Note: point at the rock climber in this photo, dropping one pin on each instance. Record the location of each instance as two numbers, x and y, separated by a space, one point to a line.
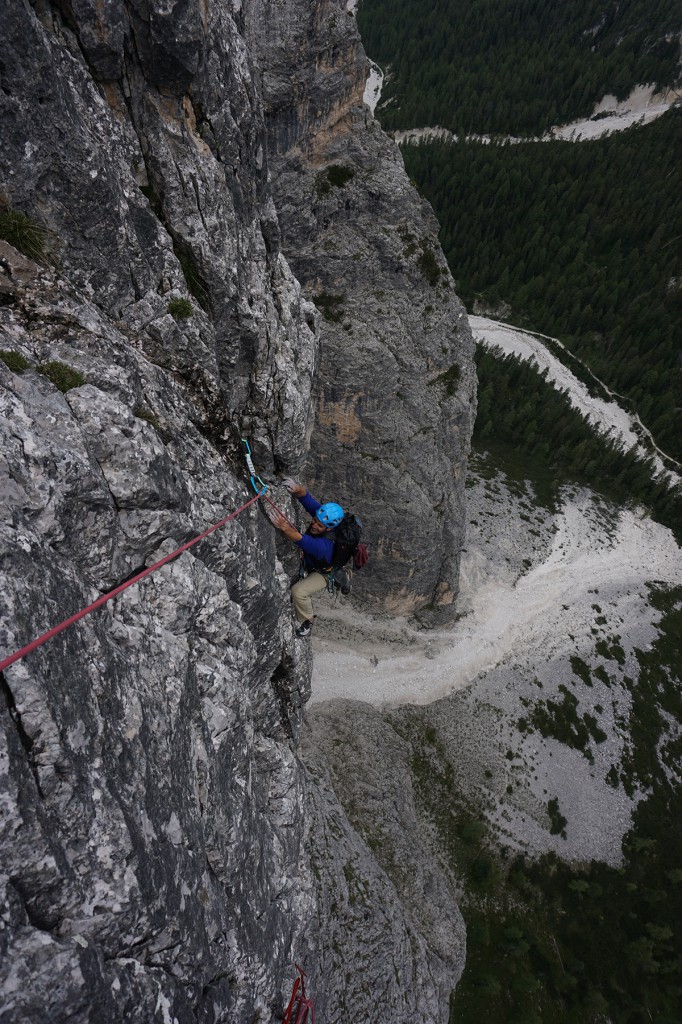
317 545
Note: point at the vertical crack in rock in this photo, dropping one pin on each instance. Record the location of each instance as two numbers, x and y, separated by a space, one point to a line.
25 740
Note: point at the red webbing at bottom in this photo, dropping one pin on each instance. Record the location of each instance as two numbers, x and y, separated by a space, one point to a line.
299 1002
118 590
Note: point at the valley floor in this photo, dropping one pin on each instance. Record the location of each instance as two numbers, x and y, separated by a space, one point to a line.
547 601
529 582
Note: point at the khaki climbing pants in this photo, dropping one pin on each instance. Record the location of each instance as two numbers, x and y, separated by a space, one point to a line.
302 591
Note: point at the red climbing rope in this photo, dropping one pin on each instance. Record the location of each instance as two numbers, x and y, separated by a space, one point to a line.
118 590
278 509
299 1002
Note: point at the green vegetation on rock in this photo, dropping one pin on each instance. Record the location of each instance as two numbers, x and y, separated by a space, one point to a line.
14 360
330 306
180 309
62 376
335 176
142 413
560 720
428 264
25 234
449 379
557 821
196 284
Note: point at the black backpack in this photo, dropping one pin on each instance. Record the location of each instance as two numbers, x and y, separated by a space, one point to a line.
346 540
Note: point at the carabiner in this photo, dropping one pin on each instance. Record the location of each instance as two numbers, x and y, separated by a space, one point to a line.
255 479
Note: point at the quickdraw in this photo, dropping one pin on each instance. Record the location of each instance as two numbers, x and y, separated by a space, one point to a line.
255 479
299 1004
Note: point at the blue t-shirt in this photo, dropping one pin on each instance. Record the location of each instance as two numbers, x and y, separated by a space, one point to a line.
318 551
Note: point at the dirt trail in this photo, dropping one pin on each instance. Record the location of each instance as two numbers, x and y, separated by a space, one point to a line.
607 416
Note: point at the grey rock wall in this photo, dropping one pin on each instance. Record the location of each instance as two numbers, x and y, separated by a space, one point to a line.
394 940
395 392
153 184
159 836
152 800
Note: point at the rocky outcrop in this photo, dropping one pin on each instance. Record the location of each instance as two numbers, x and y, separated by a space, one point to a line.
157 850
144 156
394 395
408 903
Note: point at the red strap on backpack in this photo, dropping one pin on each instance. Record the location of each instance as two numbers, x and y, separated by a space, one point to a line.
361 556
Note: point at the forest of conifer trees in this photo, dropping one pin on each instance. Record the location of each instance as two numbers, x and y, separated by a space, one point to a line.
516 67
581 241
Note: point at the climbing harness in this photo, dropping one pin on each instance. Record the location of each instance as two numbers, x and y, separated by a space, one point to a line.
260 488
347 547
299 1004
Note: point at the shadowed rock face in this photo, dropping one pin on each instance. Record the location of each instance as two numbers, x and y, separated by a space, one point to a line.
411 899
155 853
394 395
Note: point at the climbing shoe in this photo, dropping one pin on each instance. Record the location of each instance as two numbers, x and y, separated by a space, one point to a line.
304 628
342 581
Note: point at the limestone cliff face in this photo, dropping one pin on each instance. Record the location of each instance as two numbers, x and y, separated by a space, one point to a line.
153 804
407 906
152 800
160 841
135 134
394 395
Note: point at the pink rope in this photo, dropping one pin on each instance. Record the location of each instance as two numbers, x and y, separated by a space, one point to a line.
39 641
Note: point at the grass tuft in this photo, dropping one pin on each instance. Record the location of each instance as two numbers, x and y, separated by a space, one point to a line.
25 234
449 379
142 413
336 176
180 309
196 285
62 376
14 360
428 264
330 306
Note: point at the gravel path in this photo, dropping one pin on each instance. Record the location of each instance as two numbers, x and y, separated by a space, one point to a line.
641 106
607 416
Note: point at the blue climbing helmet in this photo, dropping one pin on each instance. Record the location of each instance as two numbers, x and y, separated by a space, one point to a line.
330 514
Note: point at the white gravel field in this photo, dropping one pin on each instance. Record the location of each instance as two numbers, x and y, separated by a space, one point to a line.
508 611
